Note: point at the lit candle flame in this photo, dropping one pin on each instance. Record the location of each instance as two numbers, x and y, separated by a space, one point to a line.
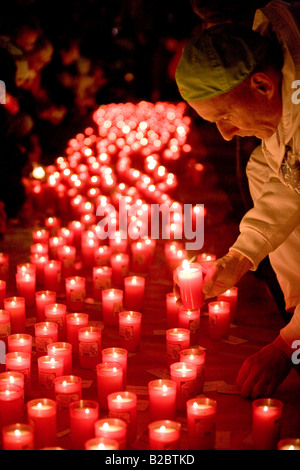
186 265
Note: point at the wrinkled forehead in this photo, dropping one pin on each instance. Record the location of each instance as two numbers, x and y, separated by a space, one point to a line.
211 110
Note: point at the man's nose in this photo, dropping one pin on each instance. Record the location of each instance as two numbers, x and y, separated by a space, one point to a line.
227 130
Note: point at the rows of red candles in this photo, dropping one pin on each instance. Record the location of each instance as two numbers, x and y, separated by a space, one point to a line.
97 170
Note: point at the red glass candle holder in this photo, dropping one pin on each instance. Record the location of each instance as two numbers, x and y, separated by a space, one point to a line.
42 415
89 346
162 399
164 435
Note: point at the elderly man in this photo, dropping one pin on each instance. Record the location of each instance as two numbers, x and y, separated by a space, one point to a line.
246 81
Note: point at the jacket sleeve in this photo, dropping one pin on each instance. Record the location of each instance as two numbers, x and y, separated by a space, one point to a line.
275 214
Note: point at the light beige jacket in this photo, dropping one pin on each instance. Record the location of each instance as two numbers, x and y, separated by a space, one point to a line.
276 214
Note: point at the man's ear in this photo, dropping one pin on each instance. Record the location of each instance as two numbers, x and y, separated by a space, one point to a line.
263 84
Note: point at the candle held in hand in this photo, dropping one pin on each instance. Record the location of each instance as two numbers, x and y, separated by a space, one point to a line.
190 279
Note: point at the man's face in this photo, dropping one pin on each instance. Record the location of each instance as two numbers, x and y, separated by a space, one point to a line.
251 115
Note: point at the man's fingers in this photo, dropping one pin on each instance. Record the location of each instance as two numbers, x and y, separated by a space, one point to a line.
209 279
259 389
243 373
176 290
206 266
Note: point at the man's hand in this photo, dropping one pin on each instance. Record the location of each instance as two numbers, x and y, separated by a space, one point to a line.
220 275
263 372
224 273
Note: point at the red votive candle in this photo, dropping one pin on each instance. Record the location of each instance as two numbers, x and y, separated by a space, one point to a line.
109 380
67 255
56 313
162 399
123 405
112 428
175 258
230 296
52 275
11 404
118 243
164 435
177 339
40 249
88 247
19 342
49 367
184 374
62 350
26 268
2 292
39 262
219 319
171 310
75 321
18 436
120 267
151 245
19 362
102 255
101 443
112 304
195 356
101 280
67 234
68 388
130 330
202 257
266 417
26 284
42 415
89 346
52 224
139 257
45 333
54 244
40 236
42 299
189 278
77 228
201 418
16 307
134 291
75 293
190 320
13 377
118 355
83 416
